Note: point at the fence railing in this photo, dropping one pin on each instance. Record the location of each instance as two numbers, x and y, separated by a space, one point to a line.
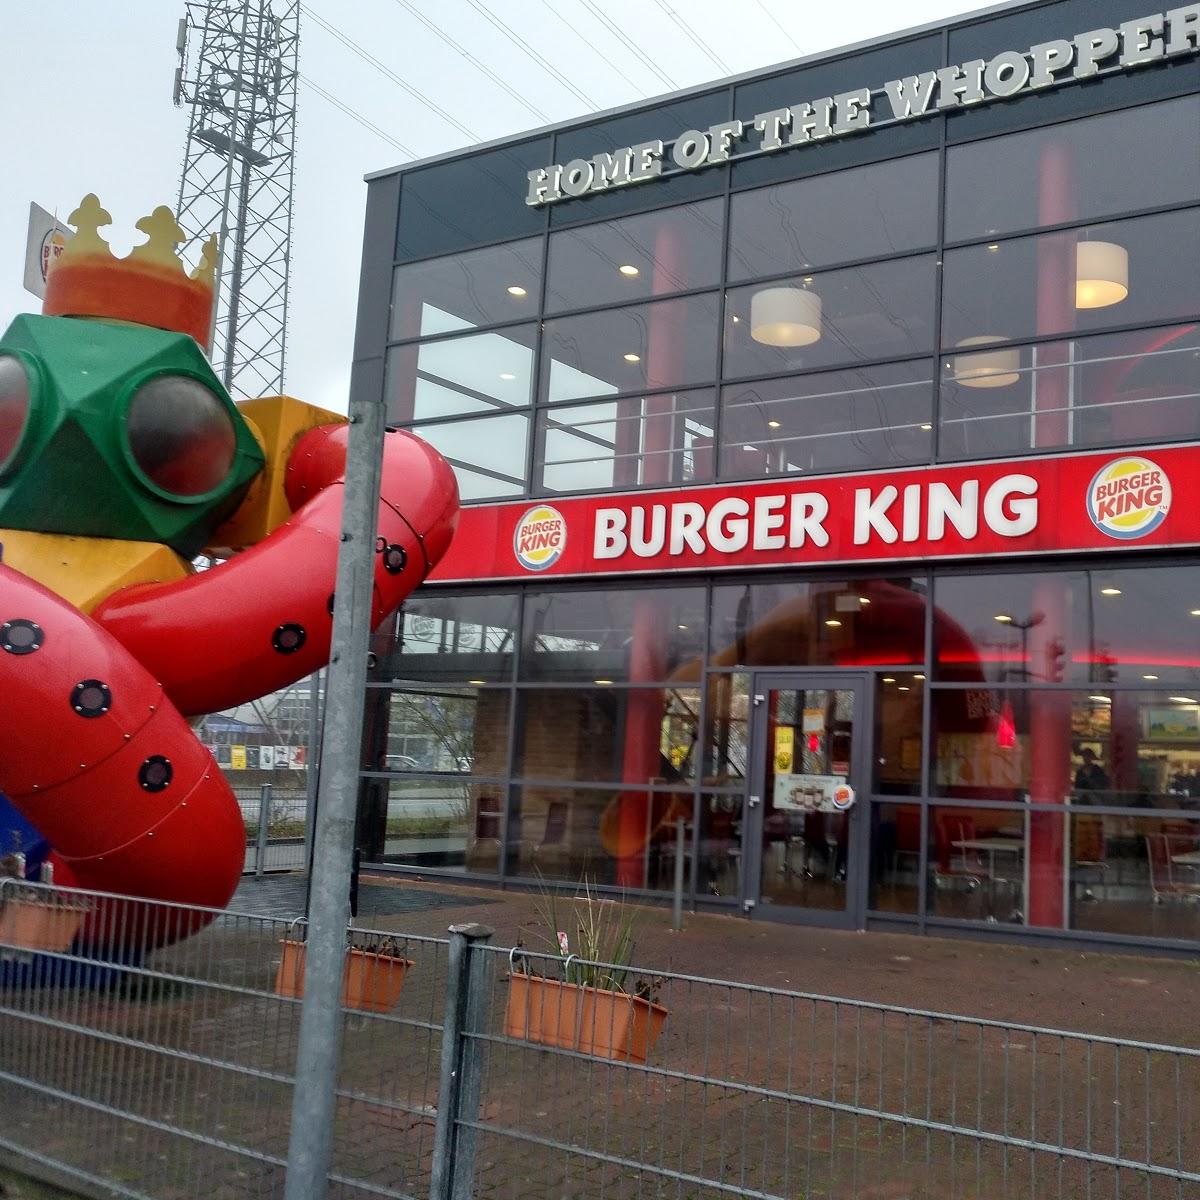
166 1071
276 821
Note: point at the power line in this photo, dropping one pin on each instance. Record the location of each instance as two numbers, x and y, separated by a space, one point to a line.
522 45
575 30
354 115
712 57
459 49
771 16
631 46
384 69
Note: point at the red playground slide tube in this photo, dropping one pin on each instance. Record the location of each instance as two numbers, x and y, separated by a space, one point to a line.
263 619
96 752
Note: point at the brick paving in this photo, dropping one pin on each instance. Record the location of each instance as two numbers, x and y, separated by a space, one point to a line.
572 1116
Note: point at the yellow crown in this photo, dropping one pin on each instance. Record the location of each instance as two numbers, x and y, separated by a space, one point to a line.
150 287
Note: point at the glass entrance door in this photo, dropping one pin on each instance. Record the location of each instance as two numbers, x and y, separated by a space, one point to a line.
806 811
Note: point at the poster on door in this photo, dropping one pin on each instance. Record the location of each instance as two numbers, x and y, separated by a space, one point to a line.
812 793
785 749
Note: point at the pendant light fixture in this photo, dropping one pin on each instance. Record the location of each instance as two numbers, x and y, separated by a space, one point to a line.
785 316
986 369
1101 274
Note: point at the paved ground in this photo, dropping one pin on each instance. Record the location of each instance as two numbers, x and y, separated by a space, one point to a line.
748 1093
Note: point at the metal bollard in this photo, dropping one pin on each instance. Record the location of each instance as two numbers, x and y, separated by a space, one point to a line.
264 821
680 842
468 991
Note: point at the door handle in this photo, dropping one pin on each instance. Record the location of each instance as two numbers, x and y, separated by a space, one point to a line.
755 801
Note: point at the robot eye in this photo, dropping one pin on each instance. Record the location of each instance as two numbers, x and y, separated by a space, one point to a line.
14 407
181 435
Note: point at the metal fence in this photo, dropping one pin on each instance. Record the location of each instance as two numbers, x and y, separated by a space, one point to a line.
276 821
162 1074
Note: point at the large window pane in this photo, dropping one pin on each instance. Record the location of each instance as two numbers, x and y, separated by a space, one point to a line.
481 287
1105 746
441 823
884 310
1070 172
469 201
648 346
841 420
857 622
1131 626
895 857
600 836
488 455
444 730
476 374
442 636
1135 875
655 254
1120 273
727 730
642 441
640 636
644 737
868 212
899 733
977 864
1122 388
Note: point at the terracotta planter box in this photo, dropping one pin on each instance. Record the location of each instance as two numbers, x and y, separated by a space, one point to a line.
40 925
591 1020
370 982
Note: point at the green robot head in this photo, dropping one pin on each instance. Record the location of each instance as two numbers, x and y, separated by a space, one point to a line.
117 430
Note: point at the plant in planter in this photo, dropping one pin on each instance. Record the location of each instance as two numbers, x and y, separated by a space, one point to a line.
603 1005
372 977
33 918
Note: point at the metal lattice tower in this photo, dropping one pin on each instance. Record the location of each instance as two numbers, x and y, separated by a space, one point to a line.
238 69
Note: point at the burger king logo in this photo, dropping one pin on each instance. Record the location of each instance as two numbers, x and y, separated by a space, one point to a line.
540 538
843 797
1129 498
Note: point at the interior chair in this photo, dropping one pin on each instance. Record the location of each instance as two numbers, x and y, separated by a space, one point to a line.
1090 854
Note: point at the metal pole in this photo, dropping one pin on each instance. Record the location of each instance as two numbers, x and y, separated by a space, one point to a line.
312 757
467 994
264 821
680 842
310 1149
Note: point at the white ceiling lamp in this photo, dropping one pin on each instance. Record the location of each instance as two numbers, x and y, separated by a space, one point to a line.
989 369
785 316
1101 274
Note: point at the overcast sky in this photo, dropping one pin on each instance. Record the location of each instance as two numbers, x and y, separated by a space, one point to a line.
85 91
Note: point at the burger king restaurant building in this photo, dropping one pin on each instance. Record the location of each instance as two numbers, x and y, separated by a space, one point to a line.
828 440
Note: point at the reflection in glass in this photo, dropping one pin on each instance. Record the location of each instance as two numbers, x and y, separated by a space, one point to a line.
618 838
720 850
895 857
642 441
440 823
603 637
1131 626
635 258
1126 388
977 864
476 374
481 287
1011 183
645 737
727 729
439 635
867 212
882 310
899 722
1135 875
831 623
1028 286
841 420
670 343
487 454
444 730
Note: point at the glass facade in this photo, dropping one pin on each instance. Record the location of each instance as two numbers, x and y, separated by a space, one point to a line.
1010 279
